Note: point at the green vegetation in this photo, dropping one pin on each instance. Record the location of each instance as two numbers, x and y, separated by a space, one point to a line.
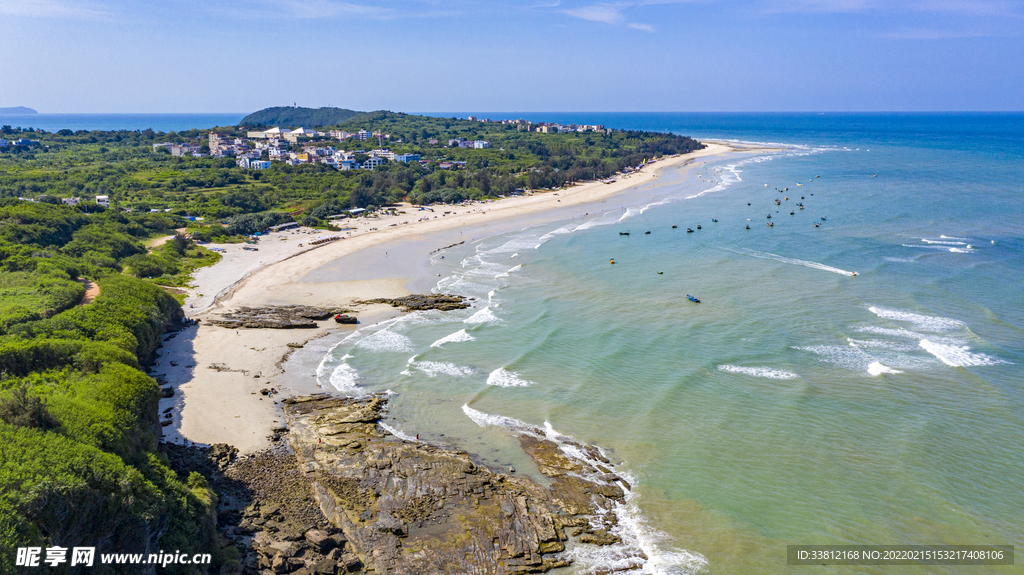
78 418
293 116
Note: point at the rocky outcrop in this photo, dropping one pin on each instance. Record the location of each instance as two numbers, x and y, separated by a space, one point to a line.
406 507
275 317
441 302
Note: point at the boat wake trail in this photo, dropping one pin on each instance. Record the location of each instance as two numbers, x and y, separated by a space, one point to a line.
793 261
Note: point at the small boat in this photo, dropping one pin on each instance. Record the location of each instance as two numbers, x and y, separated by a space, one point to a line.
647 233
769 216
623 233
659 273
674 227
748 226
689 231
698 226
823 218
691 298
714 220
817 225
791 213
611 261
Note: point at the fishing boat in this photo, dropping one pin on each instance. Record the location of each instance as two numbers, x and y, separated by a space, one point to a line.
691 298
674 227
623 233
689 231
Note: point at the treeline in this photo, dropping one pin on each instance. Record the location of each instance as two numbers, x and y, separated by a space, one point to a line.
79 464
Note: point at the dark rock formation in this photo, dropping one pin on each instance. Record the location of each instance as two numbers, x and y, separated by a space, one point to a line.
441 302
276 317
407 507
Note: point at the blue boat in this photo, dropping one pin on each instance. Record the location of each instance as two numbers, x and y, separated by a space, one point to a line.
691 298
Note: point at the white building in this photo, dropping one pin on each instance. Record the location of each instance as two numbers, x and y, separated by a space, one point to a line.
406 158
372 162
259 164
481 144
103 201
383 153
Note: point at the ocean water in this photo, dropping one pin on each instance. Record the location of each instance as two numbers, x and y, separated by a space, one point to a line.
156 122
798 403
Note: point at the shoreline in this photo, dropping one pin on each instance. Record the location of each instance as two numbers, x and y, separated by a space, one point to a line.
217 375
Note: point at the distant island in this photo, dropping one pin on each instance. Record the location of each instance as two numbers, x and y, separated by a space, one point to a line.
296 116
18 110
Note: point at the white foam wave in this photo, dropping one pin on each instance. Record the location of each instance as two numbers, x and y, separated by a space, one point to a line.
877 368
385 340
961 250
456 337
490 420
794 261
881 344
501 377
899 260
942 242
397 432
758 372
505 273
894 332
953 238
922 322
958 355
435 368
344 378
485 315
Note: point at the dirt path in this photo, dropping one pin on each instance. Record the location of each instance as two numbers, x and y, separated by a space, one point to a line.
155 242
92 289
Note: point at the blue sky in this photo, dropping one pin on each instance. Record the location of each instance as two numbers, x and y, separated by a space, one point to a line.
413 55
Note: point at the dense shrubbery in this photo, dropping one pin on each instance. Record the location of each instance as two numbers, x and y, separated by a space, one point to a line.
78 419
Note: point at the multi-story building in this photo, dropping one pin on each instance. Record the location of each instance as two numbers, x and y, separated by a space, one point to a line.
373 162
406 158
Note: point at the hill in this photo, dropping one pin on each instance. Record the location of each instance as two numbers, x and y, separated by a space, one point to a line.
18 110
295 116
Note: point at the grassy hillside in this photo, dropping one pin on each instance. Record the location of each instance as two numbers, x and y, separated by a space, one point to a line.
294 117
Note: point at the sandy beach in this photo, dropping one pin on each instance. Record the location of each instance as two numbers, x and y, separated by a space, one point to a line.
218 373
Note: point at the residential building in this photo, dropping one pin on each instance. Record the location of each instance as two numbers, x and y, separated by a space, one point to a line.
243 162
103 201
259 164
433 141
73 201
372 162
406 158
347 164
481 144
383 153
184 149
362 135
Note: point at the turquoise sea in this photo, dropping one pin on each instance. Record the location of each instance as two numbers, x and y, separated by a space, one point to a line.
797 403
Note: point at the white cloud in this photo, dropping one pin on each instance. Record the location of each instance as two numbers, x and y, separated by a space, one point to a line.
49 9
607 13
639 26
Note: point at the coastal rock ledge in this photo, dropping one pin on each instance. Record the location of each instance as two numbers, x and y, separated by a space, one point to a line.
409 508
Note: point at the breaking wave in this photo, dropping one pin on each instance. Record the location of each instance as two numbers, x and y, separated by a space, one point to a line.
456 337
758 372
501 377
